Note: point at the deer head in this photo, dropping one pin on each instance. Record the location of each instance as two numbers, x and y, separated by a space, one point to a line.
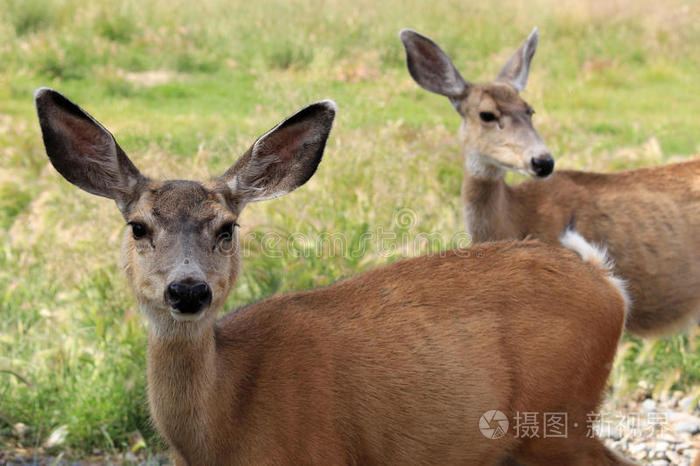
181 248
497 132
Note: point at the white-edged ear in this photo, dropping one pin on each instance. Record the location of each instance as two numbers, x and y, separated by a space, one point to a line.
517 68
83 151
430 67
284 158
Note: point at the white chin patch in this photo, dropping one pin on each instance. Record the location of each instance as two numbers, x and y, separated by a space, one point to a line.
508 168
181 317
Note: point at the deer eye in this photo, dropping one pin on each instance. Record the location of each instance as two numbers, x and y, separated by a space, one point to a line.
138 229
487 116
226 232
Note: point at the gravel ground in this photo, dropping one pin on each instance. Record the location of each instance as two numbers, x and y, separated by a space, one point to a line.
663 431
26 457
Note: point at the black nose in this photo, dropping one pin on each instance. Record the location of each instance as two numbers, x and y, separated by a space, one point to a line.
188 296
542 165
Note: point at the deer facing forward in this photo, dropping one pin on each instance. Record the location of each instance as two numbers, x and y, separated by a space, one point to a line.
649 219
395 366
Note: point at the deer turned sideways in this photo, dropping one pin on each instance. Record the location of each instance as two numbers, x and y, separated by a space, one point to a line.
649 219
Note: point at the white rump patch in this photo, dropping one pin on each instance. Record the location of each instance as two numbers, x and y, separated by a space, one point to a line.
598 256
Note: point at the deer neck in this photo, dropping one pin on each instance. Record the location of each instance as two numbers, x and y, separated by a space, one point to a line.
181 387
486 199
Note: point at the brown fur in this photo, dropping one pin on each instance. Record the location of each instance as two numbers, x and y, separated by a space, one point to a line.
388 367
648 219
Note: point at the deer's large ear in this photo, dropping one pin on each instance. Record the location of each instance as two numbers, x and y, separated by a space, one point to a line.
83 151
431 68
517 68
284 158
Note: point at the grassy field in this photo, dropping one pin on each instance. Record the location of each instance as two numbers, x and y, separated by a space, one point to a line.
187 86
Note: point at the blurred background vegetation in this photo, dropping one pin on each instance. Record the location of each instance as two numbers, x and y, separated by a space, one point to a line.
187 86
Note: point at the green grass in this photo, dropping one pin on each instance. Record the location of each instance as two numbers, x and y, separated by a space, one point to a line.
186 87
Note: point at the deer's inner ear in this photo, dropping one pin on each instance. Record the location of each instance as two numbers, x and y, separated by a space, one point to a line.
83 151
87 138
284 158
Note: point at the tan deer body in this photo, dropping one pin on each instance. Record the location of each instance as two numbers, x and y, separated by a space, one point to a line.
395 366
649 219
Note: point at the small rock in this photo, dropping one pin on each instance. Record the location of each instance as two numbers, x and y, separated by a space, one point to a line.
688 403
57 437
644 385
612 433
637 447
686 427
661 446
639 451
674 417
667 437
659 463
130 457
19 430
674 457
649 406
672 403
